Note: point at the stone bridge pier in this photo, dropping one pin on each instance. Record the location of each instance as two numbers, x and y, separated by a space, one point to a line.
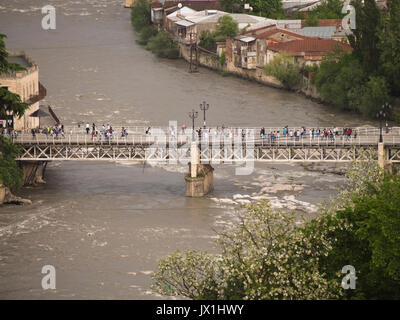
383 156
200 179
33 171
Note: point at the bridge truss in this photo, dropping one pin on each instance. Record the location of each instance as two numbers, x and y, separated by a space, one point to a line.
310 151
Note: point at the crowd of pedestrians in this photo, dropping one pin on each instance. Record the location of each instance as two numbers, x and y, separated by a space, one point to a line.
273 135
269 135
311 133
55 132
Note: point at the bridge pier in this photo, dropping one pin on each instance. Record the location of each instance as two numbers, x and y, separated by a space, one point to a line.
33 172
383 163
200 179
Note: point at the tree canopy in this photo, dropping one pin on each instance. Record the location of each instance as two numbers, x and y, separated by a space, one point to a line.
10 172
272 9
286 70
271 254
140 14
363 80
10 103
226 27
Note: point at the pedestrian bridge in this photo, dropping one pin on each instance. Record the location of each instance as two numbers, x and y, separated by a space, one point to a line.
239 146
243 146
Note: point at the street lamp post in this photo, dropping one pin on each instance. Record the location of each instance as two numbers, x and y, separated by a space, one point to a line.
193 115
381 115
204 107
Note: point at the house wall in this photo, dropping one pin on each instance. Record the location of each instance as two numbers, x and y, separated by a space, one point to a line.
128 3
211 61
25 84
199 28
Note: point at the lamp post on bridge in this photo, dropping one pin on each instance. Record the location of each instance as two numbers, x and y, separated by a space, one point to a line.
382 115
204 107
193 115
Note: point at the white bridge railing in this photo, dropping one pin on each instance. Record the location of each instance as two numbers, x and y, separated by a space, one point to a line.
69 129
85 139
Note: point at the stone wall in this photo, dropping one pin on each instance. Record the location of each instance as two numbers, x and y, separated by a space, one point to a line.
24 83
202 184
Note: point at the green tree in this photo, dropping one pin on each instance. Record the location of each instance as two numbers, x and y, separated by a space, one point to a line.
389 36
373 95
312 20
365 37
369 240
286 70
232 5
141 14
10 103
226 27
10 173
328 9
207 40
264 256
163 46
272 9
145 34
5 66
339 81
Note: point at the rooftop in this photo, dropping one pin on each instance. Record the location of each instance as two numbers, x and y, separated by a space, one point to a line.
318 32
272 31
310 46
193 4
245 38
21 60
184 11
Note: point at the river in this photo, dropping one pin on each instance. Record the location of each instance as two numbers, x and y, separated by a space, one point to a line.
104 225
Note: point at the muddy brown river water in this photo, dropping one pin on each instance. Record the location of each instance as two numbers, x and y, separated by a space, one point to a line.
104 225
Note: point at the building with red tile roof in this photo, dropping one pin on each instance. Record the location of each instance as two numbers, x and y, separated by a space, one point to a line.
309 50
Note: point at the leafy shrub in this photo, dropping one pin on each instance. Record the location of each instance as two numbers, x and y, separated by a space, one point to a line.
226 27
163 46
222 59
207 40
140 14
145 34
286 70
10 172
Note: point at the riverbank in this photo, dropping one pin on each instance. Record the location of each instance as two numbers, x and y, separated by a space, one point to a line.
211 61
6 197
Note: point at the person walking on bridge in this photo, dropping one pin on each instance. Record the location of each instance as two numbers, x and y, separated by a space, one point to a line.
87 127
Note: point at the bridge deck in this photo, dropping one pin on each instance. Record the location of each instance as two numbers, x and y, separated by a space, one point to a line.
215 150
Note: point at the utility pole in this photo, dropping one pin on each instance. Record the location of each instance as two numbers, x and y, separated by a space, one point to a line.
193 50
